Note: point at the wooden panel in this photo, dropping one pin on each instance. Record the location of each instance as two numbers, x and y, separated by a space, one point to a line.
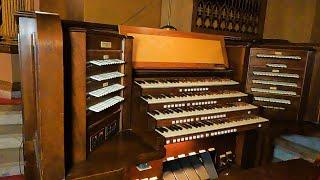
42 67
295 64
126 115
50 120
238 56
26 56
313 99
155 48
78 76
218 142
98 42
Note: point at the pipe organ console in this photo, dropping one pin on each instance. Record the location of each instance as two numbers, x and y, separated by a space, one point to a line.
201 113
192 114
142 103
278 79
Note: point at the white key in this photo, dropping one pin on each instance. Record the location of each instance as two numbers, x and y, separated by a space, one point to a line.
277 65
214 127
107 76
106 104
278 56
273 100
276 83
273 74
195 98
203 112
106 90
273 91
106 62
187 84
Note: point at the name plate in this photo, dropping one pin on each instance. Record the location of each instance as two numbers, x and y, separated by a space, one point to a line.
278 53
105 84
105 56
105 44
275 70
273 88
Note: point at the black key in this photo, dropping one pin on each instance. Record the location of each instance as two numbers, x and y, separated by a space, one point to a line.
160 129
171 128
146 97
154 113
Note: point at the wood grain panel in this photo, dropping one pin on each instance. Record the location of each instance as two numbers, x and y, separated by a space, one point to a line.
78 76
157 47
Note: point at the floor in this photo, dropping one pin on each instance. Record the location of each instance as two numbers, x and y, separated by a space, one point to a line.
296 146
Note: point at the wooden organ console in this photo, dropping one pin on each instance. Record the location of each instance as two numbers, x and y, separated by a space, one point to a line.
99 63
178 115
277 74
279 80
200 112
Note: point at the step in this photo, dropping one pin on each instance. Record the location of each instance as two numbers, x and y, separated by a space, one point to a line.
10 141
303 147
11 155
7 117
306 141
11 169
11 129
282 154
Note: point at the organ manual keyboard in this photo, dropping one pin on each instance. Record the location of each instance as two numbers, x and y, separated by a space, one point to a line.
201 113
193 115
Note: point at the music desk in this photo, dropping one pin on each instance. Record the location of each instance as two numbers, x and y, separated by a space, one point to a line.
290 170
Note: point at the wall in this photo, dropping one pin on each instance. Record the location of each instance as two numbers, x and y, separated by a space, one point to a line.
181 14
290 19
295 20
67 9
315 36
105 11
118 11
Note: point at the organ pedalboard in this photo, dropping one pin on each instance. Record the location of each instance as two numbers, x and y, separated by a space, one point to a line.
100 83
277 78
194 114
